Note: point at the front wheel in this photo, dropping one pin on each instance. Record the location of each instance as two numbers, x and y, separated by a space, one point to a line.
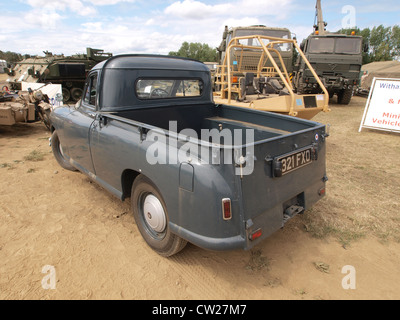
151 216
344 96
59 153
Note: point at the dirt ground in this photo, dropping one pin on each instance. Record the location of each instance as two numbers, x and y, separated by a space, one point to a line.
53 217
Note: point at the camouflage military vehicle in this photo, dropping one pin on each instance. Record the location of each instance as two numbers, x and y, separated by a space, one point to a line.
68 71
336 58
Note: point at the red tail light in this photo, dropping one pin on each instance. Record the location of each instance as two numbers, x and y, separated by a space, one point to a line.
226 209
256 234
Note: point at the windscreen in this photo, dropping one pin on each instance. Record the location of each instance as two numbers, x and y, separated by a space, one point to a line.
348 45
269 33
335 45
322 45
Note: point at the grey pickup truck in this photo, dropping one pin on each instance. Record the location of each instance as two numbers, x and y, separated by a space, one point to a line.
218 176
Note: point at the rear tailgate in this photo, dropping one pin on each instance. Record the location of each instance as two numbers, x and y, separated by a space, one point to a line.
289 177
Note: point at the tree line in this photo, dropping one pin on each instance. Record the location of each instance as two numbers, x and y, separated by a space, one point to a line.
13 57
383 45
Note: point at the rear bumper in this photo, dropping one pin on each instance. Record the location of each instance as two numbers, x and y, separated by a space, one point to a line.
264 225
218 244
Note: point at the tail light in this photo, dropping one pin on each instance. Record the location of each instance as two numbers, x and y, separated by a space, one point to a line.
256 234
226 209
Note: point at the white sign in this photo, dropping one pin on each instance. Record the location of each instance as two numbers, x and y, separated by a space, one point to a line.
382 111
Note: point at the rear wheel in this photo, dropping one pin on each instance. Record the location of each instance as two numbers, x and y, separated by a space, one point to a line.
151 216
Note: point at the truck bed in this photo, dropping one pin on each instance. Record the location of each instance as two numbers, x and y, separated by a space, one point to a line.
266 125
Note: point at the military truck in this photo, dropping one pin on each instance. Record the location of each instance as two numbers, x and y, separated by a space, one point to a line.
69 71
285 49
336 58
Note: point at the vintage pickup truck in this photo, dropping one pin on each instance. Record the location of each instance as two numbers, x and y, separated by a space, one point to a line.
218 176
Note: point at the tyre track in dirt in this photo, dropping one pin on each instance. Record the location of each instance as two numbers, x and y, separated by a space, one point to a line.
199 278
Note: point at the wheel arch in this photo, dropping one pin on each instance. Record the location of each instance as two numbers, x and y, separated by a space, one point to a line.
127 178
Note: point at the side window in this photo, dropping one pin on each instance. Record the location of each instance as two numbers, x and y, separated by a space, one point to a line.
90 90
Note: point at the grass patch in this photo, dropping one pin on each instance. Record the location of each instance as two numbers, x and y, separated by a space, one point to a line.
321 227
257 261
35 155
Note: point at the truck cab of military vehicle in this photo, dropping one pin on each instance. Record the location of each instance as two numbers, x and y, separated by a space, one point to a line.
285 49
336 58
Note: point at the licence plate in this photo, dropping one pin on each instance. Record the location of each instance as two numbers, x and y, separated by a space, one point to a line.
295 160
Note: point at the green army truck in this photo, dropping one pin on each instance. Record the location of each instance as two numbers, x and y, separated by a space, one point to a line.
285 49
336 58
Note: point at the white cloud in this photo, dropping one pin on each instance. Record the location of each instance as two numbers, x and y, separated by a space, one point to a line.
159 31
108 2
75 6
47 20
192 9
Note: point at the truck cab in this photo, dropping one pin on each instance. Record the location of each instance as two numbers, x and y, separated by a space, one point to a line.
336 59
286 50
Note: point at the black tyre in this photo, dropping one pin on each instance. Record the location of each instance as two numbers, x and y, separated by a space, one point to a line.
58 152
66 94
151 216
344 96
76 94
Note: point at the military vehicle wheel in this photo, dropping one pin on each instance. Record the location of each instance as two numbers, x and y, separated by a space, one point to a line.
344 96
58 152
66 94
76 94
151 216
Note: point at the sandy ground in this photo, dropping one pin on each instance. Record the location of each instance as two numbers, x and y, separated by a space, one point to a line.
57 218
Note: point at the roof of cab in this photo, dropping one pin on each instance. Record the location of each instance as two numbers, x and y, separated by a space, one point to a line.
156 62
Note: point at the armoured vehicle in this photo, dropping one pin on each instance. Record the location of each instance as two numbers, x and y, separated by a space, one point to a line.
69 71
336 58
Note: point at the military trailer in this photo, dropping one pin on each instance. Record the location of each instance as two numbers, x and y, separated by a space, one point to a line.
336 58
255 76
68 71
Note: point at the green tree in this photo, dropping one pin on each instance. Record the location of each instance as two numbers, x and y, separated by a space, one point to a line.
12 57
195 50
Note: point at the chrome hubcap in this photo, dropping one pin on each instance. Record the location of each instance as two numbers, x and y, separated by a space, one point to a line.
154 213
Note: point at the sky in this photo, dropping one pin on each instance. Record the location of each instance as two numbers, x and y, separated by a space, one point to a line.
158 27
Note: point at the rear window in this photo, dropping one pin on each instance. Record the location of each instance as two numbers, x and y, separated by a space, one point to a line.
148 89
